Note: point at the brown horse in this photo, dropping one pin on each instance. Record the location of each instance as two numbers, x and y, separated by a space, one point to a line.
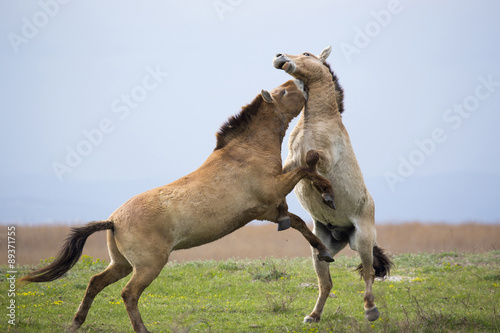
320 128
242 180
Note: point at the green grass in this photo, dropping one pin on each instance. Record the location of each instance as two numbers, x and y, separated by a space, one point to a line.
445 292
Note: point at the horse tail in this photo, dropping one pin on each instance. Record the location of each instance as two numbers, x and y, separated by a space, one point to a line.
69 254
381 263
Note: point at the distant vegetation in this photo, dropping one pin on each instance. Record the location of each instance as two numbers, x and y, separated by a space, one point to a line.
261 241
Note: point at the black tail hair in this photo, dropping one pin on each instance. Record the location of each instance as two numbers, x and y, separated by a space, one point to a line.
69 254
381 263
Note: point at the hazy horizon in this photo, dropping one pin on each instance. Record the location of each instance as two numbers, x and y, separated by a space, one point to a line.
101 99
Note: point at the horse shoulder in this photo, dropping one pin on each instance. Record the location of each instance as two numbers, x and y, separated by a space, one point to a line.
338 148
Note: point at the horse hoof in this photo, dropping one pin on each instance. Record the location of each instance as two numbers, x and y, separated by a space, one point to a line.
372 315
284 224
73 328
325 256
309 320
328 200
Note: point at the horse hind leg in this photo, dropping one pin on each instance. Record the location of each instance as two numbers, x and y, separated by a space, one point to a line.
141 279
381 263
325 285
373 263
382 267
322 270
147 263
116 270
98 282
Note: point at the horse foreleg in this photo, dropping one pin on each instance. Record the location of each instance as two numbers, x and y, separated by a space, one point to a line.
314 241
321 184
283 218
289 179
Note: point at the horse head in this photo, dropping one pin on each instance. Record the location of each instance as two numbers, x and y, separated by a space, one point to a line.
306 66
288 98
313 70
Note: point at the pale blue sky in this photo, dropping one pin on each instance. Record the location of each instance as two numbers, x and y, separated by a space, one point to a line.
160 77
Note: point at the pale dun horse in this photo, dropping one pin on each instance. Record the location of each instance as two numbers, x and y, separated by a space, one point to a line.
242 180
353 222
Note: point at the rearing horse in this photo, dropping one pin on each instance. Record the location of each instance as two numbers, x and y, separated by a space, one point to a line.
320 128
241 181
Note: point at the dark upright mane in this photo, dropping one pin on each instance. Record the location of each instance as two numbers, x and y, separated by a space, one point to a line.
238 123
338 89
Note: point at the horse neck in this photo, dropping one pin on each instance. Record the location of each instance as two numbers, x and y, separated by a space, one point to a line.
322 103
263 134
321 125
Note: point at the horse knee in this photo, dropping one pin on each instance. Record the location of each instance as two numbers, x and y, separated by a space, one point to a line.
312 158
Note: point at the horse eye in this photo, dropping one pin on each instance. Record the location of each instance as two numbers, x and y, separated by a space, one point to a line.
283 93
306 54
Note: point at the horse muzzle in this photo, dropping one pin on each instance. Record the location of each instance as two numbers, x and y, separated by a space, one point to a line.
281 61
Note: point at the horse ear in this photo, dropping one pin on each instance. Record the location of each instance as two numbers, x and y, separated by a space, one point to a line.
266 96
325 53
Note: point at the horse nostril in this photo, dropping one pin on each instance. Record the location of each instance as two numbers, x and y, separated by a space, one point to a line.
279 55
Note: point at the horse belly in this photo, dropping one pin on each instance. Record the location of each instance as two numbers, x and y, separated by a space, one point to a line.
312 201
208 225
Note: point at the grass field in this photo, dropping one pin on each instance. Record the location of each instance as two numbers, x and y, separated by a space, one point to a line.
441 292
446 279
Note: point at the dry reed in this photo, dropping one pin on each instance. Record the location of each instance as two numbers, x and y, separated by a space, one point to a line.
34 243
